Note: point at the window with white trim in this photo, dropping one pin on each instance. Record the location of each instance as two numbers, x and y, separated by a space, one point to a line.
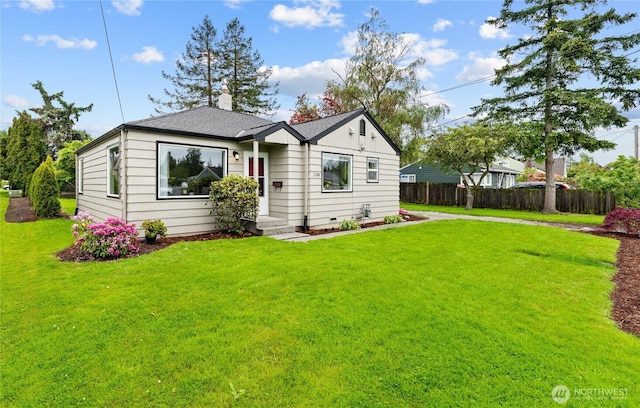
188 170
113 171
407 178
80 176
486 181
337 172
372 169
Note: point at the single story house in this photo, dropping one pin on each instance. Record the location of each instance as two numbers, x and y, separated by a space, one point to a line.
499 176
310 175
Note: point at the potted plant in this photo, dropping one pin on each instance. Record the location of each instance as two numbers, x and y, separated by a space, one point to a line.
153 228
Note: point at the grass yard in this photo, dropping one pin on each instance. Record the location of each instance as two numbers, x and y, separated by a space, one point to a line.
523 215
450 313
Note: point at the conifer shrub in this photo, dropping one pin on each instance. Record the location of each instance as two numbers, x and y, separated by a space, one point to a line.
234 201
44 191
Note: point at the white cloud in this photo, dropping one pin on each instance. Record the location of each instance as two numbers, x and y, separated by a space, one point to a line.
309 78
349 42
308 13
480 67
426 1
431 50
60 42
15 101
489 31
37 6
234 4
148 55
441 24
128 7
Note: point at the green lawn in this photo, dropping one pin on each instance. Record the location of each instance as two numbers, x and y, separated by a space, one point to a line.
523 215
450 313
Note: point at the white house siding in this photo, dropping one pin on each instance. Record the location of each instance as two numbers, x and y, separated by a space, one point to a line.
286 165
182 216
331 208
93 198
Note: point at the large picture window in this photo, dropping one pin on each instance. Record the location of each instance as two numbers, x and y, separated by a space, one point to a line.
185 170
336 172
113 171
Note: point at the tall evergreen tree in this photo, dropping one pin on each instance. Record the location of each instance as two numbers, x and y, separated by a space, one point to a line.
196 80
26 149
4 142
243 69
541 79
383 78
58 121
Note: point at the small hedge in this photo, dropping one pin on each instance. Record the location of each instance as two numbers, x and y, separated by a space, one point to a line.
44 190
234 201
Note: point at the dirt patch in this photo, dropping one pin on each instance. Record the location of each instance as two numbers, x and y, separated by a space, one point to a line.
74 254
625 297
20 210
322 231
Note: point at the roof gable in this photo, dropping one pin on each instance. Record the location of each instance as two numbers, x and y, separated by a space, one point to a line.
315 130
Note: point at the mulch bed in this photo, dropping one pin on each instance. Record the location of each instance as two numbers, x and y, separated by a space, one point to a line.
625 297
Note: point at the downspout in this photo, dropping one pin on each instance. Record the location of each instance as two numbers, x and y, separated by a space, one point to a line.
125 174
305 224
256 168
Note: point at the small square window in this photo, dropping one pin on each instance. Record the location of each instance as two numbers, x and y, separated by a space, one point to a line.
372 170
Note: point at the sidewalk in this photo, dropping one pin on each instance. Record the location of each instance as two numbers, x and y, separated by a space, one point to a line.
430 216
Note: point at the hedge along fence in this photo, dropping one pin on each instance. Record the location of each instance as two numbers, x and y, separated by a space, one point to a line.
571 201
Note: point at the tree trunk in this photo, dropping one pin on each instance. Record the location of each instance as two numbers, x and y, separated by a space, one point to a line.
469 205
550 188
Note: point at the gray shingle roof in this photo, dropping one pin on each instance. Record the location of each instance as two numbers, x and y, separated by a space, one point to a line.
318 127
203 120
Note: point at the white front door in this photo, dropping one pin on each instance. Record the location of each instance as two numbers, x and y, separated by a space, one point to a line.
263 178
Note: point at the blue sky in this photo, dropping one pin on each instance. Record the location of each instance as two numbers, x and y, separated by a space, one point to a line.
63 44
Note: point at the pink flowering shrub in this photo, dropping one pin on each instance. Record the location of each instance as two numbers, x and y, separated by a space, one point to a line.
82 221
111 239
623 220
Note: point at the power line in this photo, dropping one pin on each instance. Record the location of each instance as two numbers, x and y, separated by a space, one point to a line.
113 68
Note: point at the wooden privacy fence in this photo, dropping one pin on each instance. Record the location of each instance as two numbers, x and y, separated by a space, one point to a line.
571 201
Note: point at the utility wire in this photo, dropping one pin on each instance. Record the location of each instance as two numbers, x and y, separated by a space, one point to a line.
113 68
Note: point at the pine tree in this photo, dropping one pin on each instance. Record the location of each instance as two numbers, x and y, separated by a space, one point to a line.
58 121
196 80
243 69
26 149
541 79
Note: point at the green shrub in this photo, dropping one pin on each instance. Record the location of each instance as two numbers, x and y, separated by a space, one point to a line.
392 219
623 221
349 225
44 190
153 228
234 200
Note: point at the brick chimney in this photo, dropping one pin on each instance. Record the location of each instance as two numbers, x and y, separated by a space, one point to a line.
224 100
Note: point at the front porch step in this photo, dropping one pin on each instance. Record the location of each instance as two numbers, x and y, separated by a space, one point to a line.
269 226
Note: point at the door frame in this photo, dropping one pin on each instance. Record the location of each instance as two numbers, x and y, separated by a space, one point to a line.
263 207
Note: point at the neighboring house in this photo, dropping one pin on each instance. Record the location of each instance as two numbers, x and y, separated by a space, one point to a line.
559 166
312 175
499 176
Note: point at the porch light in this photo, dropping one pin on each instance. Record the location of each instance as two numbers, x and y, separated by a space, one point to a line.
236 155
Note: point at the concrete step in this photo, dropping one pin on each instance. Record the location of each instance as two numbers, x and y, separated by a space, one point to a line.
269 226
271 231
